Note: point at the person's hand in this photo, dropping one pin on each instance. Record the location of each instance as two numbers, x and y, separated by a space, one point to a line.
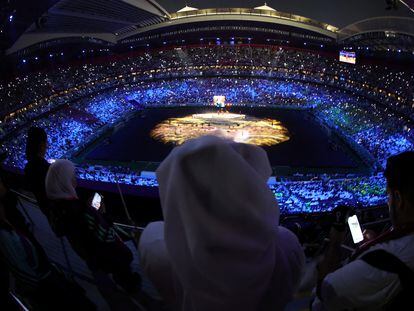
102 208
369 235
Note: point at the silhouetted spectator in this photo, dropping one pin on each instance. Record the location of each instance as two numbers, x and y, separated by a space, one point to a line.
37 167
220 247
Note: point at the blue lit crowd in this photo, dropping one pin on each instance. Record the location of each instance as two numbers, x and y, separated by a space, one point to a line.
76 105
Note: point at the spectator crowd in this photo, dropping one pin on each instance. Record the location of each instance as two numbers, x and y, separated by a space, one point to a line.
369 105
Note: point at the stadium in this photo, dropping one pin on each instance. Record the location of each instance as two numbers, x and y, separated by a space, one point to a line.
117 85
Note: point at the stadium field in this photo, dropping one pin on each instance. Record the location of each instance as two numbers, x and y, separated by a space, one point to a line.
310 144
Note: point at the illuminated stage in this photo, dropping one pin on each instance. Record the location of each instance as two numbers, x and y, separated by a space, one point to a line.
306 144
237 127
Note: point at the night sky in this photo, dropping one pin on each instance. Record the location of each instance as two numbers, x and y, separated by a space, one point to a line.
336 12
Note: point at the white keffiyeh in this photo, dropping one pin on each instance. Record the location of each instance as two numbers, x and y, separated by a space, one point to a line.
221 227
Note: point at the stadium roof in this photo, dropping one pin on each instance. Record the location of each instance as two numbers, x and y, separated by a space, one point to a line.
264 7
114 20
334 12
187 9
100 19
409 4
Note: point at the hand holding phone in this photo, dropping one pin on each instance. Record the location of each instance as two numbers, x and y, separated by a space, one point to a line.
355 229
96 201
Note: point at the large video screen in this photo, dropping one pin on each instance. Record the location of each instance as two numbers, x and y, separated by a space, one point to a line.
347 57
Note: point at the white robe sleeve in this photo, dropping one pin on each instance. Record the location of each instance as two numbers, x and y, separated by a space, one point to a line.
156 263
358 285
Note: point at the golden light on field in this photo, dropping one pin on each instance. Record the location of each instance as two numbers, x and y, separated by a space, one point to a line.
237 127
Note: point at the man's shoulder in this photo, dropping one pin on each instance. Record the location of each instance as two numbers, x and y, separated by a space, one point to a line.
366 283
402 248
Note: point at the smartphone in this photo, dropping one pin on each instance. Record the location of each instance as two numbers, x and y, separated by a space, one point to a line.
355 228
96 201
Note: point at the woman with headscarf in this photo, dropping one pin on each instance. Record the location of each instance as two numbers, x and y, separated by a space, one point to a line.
220 247
90 235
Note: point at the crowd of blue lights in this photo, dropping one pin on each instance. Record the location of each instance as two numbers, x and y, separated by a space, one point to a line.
358 119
